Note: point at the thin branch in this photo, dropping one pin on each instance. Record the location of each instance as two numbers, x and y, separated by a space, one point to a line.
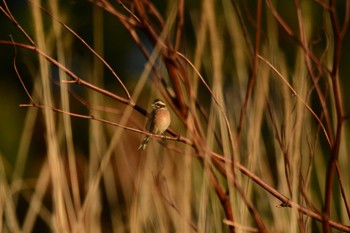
338 35
286 202
291 33
90 49
215 100
343 193
299 97
279 18
244 28
18 74
252 76
346 20
8 14
92 117
165 194
222 195
180 24
310 69
75 78
129 11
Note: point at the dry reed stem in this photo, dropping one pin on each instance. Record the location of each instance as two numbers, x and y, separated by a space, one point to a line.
219 168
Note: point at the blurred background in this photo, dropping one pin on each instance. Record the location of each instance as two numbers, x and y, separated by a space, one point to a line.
62 173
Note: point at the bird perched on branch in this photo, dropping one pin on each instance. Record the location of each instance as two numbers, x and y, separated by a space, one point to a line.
158 122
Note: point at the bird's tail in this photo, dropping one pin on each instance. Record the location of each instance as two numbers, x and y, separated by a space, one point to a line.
144 143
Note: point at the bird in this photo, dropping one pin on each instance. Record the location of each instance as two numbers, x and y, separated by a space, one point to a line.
158 121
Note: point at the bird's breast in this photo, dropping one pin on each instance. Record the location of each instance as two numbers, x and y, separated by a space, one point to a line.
161 121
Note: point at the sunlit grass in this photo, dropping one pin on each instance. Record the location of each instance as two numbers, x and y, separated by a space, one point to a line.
89 176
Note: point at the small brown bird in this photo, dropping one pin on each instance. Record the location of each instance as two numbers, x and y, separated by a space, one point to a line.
158 122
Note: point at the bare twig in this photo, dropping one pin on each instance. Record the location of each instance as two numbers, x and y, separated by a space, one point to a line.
338 34
90 49
92 117
299 97
343 193
252 76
